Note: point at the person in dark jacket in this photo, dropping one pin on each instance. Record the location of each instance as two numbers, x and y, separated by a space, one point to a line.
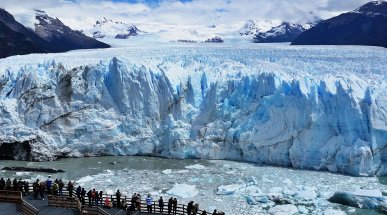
189 207
215 212
70 188
78 193
89 196
118 196
83 196
61 186
204 213
174 206
170 203
100 197
20 185
2 184
26 188
195 209
8 184
15 185
161 205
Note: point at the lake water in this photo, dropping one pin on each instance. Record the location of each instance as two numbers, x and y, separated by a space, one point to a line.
202 181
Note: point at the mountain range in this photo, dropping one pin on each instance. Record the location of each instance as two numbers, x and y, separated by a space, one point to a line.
48 35
366 25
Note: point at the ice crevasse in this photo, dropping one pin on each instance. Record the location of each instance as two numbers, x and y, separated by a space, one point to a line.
192 106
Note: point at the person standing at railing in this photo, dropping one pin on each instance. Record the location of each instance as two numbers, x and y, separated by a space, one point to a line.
118 197
42 188
70 187
20 185
83 196
149 202
195 209
78 193
55 188
14 184
189 207
161 205
2 184
35 188
174 206
48 184
89 194
61 186
100 196
170 203
26 188
8 184
138 202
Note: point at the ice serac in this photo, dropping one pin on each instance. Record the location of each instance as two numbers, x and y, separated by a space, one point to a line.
195 106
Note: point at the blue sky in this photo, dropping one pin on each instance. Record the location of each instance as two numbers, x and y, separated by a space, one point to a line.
187 12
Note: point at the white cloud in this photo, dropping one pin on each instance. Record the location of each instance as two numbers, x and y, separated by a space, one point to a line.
193 13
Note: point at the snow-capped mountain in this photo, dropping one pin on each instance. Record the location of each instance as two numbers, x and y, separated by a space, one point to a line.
16 39
285 32
107 28
271 31
252 27
363 26
40 33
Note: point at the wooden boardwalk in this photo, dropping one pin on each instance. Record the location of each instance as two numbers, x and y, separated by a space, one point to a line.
13 202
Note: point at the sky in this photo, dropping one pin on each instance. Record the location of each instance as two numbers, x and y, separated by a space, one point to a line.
185 12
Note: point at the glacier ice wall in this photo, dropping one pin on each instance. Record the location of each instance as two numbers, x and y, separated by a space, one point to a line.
195 106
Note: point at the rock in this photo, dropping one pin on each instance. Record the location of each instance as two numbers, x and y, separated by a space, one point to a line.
283 210
214 40
349 199
382 208
31 169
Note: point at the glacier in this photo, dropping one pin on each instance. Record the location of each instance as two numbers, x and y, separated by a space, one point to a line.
320 108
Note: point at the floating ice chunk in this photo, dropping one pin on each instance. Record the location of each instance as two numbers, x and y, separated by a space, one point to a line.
368 193
288 209
288 181
183 191
167 171
333 212
196 166
22 173
229 189
308 193
182 171
276 190
302 209
254 191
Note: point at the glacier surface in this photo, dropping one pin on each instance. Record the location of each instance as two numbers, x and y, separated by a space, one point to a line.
322 108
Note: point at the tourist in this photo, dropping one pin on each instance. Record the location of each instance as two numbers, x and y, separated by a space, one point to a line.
42 188
35 188
26 188
161 205
189 207
174 206
54 189
20 185
78 193
138 202
149 204
204 212
83 196
195 209
215 212
8 184
118 197
100 196
170 203
108 203
70 188
61 186
49 184
94 196
89 197
2 184
14 184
